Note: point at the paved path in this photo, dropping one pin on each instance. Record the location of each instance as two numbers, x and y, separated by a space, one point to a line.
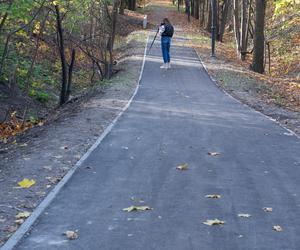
179 116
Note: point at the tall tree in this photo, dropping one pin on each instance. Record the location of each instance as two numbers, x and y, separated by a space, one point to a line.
259 37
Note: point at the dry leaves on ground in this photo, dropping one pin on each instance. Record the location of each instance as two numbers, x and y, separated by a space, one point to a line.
244 215
213 153
214 222
137 208
23 215
11 229
71 235
182 166
19 221
268 209
53 179
26 183
15 126
277 228
213 196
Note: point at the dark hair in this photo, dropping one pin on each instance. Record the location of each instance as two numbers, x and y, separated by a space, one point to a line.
166 21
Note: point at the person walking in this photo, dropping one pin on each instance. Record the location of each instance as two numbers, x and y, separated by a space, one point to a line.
166 30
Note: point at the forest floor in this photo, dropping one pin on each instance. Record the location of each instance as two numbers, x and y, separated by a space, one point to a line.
46 153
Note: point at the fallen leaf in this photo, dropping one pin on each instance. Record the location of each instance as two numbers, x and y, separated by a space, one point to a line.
213 153
19 221
244 215
71 235
182 166
277 228
14 142
49 168
214 222
77 157
58 156
268 209
137 208
26 183
40 124
53 179
11 229
213 196
23 215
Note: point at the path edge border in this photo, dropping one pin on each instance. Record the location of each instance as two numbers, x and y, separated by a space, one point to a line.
240 102
18 235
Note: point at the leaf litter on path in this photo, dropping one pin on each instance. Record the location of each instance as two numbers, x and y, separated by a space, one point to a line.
244 215
268 209
183 166
71 235
23 215
26 183
136 208
213 196
214 222
277 228
213 153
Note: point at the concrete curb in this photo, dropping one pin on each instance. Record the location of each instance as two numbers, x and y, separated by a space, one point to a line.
240 102
26 226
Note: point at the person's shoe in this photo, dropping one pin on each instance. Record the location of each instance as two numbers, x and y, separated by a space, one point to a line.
168 65
164 66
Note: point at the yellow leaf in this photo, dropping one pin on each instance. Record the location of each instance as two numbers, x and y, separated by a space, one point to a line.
22 215
182 166
26 183
137 208
213 196
214 222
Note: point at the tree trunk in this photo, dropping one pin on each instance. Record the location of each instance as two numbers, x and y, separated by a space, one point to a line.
132 5
244 30
196 11
259 38
112 37
61 47
208 24
192 7
236 25
122 7
202 13
37 46
224 19
68 92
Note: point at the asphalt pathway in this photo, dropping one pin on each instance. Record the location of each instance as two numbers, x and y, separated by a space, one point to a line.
178 116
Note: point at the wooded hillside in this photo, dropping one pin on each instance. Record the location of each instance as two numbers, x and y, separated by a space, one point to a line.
50 50
265 31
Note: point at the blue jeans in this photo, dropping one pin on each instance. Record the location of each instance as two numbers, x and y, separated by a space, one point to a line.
165 47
